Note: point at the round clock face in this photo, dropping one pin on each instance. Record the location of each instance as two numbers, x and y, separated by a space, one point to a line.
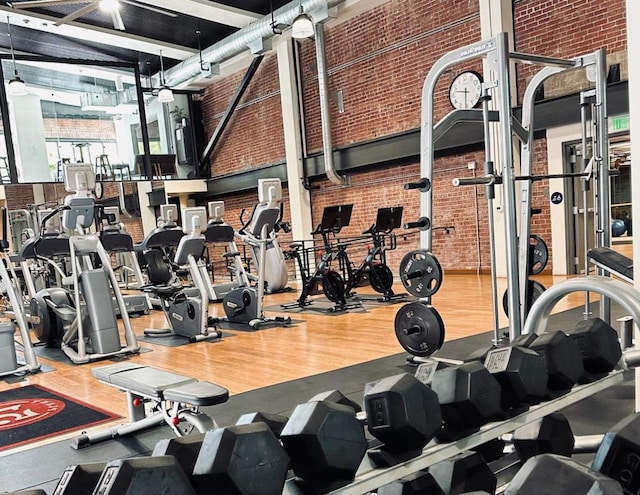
465 90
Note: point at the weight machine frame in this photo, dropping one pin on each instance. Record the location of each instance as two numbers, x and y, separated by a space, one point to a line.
496 51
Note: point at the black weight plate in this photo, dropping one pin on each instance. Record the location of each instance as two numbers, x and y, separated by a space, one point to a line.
538 255
534 291
420 273
419 329
333 286
382 280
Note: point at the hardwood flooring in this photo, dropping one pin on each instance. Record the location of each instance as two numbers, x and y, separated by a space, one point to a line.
315 343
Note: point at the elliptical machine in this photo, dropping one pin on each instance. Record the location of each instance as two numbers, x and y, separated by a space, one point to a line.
243 304
90 328
274 266
9 364
118 242
186 314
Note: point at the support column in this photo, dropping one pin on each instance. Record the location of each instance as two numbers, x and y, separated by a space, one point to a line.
147 213
496 16
299 197
633 56
27 126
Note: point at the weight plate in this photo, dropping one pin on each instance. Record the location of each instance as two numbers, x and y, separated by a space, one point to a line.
333 286
419 329
382 280
538 255
534 291
420 273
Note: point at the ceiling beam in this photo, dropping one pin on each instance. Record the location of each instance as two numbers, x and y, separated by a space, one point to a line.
211 11
47 24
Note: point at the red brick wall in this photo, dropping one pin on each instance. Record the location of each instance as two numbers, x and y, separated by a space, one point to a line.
567 28
254 135
79 128
379 62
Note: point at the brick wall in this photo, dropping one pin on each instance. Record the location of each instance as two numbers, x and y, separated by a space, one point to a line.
65 128
379 61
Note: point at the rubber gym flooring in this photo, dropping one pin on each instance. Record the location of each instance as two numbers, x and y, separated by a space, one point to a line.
40 467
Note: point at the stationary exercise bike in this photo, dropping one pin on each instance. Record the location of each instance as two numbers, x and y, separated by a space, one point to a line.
186 314
374 264
334 218
90 328
244 304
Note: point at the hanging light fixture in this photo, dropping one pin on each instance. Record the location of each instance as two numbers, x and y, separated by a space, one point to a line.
302 26
17 86
165 95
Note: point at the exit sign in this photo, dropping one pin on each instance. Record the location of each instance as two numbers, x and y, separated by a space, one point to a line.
620 123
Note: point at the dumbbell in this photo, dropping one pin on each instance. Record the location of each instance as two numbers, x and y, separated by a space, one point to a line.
618 454
400 411
562 475
161 474
239 459
466 472
468 394
562 357
326 444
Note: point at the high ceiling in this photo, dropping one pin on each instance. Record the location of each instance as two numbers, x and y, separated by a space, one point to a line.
149 26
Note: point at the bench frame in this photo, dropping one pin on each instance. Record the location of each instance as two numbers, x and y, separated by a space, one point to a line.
148 409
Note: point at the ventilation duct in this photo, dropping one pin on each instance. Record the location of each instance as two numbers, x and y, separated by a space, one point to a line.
240 41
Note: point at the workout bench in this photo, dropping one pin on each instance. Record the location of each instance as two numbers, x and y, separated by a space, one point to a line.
613 262
154 397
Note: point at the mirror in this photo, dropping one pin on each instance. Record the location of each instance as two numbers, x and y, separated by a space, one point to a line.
88 112
24 200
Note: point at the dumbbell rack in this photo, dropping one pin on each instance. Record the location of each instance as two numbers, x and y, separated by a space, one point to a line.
369 478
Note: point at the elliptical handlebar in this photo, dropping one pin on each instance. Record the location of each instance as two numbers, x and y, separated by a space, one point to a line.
53 213
4 242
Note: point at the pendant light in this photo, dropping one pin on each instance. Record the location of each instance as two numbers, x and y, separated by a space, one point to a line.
17 86
302 26
165 95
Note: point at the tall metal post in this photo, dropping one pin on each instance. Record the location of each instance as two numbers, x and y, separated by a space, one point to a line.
601 155
508 184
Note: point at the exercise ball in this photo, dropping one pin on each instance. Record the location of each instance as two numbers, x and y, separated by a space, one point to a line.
618 227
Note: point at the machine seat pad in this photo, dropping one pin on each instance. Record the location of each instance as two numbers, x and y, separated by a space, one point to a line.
231 254
615 261
163 291
198 394
143 380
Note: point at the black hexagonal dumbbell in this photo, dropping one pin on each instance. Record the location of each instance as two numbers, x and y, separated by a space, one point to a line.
240 460
161 474
562 357
184 449
79 478
464 472
469 397
326 444
618 455
551 434
521 374
275 422
551 473
418 483
404 414
599 346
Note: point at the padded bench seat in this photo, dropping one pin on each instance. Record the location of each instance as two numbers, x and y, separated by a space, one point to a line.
613 261
152 382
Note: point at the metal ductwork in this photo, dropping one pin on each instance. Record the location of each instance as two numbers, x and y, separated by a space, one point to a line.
325 115
239 41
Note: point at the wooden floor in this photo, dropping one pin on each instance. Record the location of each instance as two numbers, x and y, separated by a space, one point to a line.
249 360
